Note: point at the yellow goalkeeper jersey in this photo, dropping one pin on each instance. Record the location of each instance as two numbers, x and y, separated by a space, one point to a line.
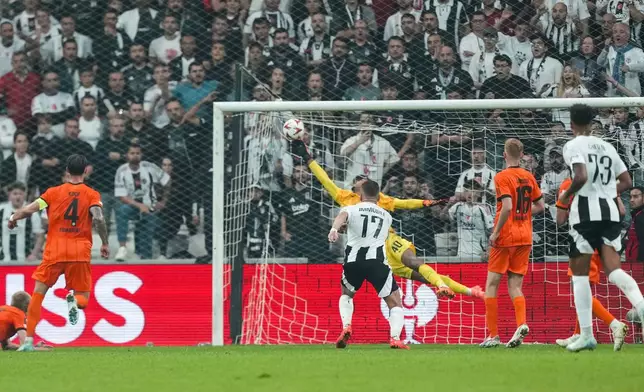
347 198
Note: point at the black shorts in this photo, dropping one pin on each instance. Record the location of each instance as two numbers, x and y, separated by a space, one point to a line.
586 237
375 272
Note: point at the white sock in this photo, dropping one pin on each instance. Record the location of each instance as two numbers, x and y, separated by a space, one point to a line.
346 310
396 321
614 324
628 286
583 304
29 339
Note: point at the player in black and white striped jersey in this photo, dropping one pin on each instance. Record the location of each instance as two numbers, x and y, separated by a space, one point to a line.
365 259
599 177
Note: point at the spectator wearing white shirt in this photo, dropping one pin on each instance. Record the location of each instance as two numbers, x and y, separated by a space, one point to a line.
473 220
53 49
46 30
16 166
52 101
134 186
156 96
276 19
473 42
368 154
541 70
7 132
520 45
90 125
552 179
479 172
165 48
623 61
9 44
624 10
393 27
482 64
305 27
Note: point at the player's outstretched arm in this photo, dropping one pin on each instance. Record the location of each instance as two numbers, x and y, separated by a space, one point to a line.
299 149
99 224
26 212
414 204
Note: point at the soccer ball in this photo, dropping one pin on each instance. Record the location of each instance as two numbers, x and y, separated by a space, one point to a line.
293 129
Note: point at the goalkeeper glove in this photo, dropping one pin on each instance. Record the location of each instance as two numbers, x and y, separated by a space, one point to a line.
444 291
432 203
300 149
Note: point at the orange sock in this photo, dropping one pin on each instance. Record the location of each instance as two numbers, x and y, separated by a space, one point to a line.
81 301
519 310
491 316
601 312
577 328
33 313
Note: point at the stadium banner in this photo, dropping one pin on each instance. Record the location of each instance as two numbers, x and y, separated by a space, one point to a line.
171 305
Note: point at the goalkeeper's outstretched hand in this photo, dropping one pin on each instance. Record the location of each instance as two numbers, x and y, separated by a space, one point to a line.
433 203
444 292
300 149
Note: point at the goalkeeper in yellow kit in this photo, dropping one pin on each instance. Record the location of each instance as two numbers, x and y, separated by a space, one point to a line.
401 254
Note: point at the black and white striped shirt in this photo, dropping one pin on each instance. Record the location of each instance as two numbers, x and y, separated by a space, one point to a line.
451 14
634 144
564 38
17 244
367 230
596 200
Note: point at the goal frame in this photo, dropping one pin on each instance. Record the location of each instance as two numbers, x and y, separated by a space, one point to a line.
219 141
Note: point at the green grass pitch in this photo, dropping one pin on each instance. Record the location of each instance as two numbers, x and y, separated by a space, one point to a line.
323 368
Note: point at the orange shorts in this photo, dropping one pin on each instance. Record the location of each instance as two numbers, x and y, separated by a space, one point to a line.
78 275
513 258
595 268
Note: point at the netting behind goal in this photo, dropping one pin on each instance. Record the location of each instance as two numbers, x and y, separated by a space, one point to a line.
281 213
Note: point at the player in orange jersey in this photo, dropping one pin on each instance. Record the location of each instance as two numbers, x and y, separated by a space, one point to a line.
619 329
71 209
13 321
511 241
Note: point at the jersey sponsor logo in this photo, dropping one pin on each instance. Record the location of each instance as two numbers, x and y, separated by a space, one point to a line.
420 306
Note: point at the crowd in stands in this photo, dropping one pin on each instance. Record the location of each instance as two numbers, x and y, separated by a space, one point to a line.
129 83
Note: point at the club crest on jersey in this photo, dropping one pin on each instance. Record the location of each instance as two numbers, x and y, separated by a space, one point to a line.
420 306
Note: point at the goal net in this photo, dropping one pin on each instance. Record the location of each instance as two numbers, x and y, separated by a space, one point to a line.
278 213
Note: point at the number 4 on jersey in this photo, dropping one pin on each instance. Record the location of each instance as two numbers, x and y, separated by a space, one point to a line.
71 213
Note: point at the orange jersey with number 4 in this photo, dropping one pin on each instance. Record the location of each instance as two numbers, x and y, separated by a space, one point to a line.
69 237
521 187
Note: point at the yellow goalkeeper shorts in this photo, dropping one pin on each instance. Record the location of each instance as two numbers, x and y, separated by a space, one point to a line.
396 246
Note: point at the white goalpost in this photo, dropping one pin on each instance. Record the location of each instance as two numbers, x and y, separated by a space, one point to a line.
276 309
